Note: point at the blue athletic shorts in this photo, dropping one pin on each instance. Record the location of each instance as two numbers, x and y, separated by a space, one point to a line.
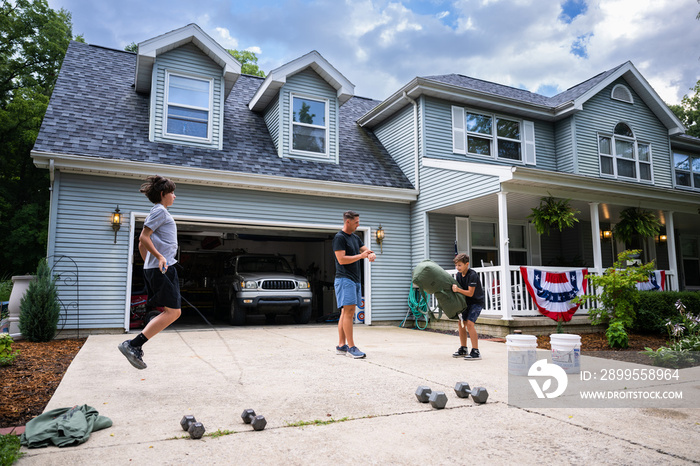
472 312
347 292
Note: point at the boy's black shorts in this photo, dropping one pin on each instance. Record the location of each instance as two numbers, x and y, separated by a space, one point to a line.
163 288
472 312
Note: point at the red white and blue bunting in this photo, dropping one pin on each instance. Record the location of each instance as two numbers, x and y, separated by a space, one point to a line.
656 281
553 292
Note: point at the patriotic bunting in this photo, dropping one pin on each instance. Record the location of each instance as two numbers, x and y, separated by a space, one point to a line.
552 292
656 281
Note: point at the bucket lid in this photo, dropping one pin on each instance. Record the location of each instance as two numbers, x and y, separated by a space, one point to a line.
521 338
565 338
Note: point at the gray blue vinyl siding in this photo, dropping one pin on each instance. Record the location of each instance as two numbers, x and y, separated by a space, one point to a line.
272 121
564 142
309 84
83 205
600 114
398 138
441 188
442 237
190 60
438 136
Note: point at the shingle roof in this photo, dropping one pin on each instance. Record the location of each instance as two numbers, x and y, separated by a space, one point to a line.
521 94
95 111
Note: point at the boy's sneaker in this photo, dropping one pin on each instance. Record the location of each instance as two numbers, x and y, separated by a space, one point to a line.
133 354
473 355
342 349
461 352
354 352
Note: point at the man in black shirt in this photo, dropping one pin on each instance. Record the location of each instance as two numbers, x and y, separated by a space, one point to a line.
349 252
470 287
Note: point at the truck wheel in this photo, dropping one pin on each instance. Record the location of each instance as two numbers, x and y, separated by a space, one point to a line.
236 314
303 315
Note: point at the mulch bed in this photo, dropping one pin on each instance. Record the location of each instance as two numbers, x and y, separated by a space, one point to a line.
597 342
29 383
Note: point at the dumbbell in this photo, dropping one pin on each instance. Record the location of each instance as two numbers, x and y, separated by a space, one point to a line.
192 427
249 417
423 393
437 400
479 394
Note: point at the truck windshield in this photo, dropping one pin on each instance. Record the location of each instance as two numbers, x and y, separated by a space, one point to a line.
263 264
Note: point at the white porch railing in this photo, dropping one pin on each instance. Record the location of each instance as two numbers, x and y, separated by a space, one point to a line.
522 303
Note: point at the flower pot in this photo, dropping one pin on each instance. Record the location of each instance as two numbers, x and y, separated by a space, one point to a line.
20 283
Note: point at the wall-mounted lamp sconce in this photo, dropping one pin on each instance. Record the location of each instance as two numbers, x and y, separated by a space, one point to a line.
116 222
606 234
662 238
380 238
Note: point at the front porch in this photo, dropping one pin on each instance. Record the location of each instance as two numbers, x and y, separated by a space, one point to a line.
504 312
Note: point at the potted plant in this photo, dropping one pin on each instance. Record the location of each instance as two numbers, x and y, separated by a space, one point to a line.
553 213
634 224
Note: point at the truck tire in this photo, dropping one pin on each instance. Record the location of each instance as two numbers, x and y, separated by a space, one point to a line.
303 315
236 314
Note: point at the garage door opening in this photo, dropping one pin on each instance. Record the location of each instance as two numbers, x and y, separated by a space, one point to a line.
287 271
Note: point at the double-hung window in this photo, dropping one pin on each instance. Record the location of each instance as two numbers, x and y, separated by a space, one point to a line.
622 156
309 126
188 107
687 170
489 135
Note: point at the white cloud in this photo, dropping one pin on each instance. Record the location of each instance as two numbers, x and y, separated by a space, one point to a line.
223 37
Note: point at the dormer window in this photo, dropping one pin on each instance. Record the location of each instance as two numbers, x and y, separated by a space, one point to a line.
620 92
188 107
309 125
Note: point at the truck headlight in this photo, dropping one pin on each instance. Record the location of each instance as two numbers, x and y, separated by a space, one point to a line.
303 285
249 285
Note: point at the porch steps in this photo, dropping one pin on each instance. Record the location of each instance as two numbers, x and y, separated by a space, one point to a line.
497 327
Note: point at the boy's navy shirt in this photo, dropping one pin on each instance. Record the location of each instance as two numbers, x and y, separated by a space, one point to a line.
351 244
471 279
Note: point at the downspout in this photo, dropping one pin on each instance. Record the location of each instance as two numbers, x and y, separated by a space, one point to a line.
52 178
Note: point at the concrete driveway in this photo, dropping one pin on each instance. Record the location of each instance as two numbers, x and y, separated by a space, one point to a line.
327 409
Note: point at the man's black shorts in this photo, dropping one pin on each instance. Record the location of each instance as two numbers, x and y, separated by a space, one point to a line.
163 288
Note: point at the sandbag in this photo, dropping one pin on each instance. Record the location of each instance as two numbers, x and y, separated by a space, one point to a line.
433 279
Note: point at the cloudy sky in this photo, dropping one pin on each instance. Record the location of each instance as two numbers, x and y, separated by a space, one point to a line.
544 46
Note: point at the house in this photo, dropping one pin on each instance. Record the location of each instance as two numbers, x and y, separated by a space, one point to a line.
268 165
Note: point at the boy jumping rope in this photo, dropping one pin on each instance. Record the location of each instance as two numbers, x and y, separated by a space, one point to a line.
470 287
158 246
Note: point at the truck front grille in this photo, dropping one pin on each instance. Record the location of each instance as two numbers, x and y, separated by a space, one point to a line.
278 285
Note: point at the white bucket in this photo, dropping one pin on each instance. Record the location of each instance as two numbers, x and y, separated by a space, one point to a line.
566 351
522 353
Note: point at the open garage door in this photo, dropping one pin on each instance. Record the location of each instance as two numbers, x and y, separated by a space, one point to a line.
278 260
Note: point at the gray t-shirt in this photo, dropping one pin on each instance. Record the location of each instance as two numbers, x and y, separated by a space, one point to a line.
164 236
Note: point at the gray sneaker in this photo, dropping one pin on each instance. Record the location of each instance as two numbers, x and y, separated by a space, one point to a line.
354 352
342 349
133 354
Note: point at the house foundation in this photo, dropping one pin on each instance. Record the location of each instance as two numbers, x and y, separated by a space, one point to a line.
498 327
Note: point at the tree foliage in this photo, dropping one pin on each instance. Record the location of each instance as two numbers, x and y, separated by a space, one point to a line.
33 42
689 111
39 309
249 62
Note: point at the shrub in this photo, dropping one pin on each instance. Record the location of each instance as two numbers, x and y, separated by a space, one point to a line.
616 335
39 308
7 356
684 347
655 308
9 449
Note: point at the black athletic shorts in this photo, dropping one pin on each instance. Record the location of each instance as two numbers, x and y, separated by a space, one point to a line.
163 288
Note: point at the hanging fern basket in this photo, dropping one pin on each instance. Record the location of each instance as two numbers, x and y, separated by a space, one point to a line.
553 214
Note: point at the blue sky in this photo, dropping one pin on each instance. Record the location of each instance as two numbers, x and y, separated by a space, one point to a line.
544 46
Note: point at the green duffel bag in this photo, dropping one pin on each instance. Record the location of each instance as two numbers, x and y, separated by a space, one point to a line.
433 279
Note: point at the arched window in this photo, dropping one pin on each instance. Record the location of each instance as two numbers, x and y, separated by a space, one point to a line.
623 156
620 92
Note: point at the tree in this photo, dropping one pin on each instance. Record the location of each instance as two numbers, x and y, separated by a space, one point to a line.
33 42
132 47
249 62
689 111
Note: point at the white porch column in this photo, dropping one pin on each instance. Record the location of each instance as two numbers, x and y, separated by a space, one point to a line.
506 297
671 245
595 231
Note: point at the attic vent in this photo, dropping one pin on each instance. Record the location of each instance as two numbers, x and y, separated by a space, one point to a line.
621 92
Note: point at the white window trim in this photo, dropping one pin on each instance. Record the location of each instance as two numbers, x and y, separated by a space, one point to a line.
496 248
210 110
689 171
307 154
612 94
615 157
527 129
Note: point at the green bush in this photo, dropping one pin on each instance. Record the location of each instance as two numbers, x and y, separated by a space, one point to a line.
616 335
9 449
5 289
684 347
7 356
39 308
655 308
